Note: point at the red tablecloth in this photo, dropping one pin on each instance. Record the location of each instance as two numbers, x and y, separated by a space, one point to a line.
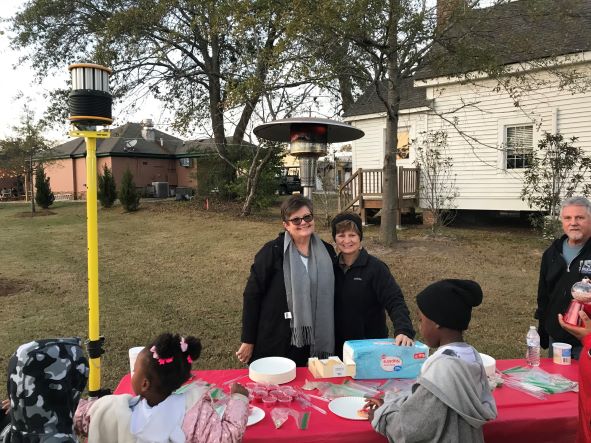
522 418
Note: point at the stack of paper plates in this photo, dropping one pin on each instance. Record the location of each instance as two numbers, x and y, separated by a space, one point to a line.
275 370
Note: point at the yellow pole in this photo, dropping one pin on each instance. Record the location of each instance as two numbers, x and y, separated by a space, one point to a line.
94 378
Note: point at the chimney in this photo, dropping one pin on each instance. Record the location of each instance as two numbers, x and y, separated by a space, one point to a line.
448 8
148 130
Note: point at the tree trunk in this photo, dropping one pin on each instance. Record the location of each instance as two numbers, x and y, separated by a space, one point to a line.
345 89
390 177
262 71
216 107
254 175
30 174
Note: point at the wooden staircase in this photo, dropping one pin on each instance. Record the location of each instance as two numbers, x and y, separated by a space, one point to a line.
363 191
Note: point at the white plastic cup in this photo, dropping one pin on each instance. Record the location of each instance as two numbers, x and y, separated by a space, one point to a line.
490 364
561 353
133 353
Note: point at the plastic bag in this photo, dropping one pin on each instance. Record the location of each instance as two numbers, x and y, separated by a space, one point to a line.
305 402
219 399
397 388
331 391
198 383
302 418
280 416
368 390
537 382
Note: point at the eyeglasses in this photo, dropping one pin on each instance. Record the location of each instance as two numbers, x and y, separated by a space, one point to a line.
298 220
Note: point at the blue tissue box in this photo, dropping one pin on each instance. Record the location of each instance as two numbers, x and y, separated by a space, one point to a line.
381 358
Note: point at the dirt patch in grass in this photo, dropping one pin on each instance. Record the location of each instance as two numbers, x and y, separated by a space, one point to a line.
37 213
10 287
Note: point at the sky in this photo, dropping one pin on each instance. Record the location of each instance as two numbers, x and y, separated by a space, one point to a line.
20 82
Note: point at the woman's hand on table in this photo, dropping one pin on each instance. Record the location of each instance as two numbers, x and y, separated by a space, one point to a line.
371 404
403 340
578 331
245 352
237 388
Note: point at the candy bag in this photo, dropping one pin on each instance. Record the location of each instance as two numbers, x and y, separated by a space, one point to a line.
279 416
302 418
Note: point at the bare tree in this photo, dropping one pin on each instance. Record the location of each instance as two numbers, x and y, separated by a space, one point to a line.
22 153
557 170
438 190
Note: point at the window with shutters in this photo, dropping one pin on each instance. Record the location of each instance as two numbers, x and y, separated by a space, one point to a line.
519 144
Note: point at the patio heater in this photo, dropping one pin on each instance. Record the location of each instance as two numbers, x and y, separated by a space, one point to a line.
308 138
89 104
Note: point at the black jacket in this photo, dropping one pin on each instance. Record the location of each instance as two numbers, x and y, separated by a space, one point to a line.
554 289
265 302
363 295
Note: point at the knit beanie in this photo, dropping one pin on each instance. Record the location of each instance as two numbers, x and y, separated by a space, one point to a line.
351 216
449 303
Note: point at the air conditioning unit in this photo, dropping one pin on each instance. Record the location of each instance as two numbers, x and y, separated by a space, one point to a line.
161 189
186 162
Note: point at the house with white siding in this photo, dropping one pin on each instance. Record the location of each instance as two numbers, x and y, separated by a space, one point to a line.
492 126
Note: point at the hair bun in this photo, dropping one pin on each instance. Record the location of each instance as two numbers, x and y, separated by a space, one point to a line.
194 347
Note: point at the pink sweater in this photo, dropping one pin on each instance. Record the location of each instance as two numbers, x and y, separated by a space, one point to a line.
108 419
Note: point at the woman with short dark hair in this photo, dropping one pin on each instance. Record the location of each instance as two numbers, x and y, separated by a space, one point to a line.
288 308
364 290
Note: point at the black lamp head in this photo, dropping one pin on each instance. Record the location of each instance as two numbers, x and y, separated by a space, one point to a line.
90 100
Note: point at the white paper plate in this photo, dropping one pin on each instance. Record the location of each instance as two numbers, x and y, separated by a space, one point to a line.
256 415
347 407
275 370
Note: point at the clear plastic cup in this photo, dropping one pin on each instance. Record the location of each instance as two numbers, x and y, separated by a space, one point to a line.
285 400
269 401
288 390
258 395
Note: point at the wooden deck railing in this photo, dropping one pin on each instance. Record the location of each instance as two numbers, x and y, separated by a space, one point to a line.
364 189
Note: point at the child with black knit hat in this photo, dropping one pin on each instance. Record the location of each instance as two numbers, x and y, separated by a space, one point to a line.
451 400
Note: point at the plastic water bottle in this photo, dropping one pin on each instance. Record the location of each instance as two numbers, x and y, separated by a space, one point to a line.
533 347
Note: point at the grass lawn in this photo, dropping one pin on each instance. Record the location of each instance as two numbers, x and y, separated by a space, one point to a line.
175 267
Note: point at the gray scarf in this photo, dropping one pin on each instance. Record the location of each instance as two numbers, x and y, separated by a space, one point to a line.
310 296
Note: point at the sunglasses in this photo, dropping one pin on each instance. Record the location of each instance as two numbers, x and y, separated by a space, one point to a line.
298 220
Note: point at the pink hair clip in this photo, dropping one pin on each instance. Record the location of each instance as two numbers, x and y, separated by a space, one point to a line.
184 345
154 352
164 361
189 359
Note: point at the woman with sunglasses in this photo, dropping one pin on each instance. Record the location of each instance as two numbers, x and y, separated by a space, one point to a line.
364 290
288 308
